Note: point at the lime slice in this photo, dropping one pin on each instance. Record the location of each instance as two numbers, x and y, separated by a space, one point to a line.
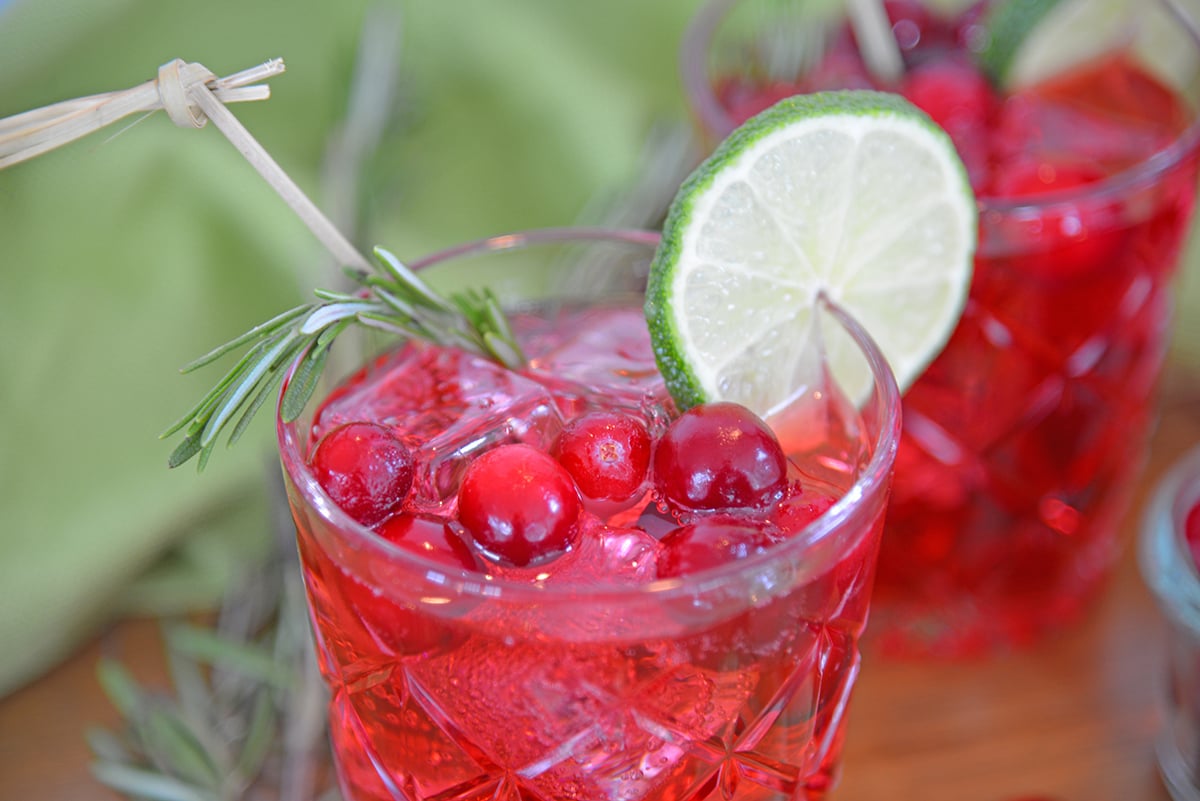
1031 40
856 195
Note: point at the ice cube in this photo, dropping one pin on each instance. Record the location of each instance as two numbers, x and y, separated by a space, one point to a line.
418 390
526 413
603 556
602 357
448 406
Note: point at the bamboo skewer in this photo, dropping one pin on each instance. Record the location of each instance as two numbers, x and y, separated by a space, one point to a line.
191 95
876 40
32 133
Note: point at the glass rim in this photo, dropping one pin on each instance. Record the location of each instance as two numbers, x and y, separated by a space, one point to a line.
873 478
703 105
1166 560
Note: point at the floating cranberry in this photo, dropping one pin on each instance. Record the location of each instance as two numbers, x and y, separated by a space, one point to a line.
959 99
411 628
519 504
710 542
800 509
719 456
365 469
953 92
1191 532
431 537
607 453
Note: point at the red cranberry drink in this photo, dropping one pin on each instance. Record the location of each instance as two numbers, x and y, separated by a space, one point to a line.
549 583
619 542
1022 439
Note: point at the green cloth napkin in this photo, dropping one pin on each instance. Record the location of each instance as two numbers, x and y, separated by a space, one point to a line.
131 252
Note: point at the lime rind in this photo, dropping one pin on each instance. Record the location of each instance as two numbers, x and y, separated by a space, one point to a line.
1032 40
757 301
1008 25
678 374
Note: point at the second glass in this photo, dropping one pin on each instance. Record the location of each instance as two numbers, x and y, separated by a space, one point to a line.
1021 441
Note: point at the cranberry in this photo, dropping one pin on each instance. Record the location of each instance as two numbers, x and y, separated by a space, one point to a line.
800 509
959 99
953 92
519 505
607 453
1191 532
430 537
399 628
365 469
710 542
719 456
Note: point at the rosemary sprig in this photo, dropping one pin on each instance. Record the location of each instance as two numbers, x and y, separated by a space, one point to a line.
391 298
243 718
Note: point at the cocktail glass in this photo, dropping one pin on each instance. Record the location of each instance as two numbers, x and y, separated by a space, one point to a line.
1022 439
1169 566
589 677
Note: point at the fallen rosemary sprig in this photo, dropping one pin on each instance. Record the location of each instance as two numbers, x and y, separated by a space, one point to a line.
392 298
243 718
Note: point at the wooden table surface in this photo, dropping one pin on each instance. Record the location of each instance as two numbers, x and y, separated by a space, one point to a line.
1072 720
